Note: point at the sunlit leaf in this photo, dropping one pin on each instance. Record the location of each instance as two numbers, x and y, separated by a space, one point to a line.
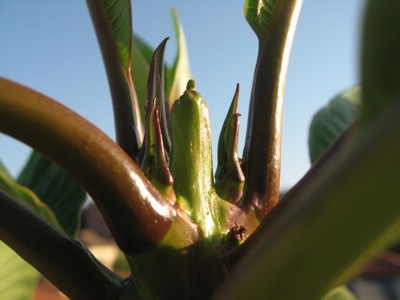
119 15
55 188
18 279
340 293
333 119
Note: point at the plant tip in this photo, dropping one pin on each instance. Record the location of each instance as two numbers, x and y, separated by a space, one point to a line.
191 85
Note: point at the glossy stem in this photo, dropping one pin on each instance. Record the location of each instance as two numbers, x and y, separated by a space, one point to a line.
262 151
128 125
66 263
135 211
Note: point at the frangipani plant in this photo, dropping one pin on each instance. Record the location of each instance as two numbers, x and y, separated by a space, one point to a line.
186 234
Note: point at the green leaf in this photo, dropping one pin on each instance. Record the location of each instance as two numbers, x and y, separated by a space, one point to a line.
28 199
333 119
179 74
17 278
258 14
120 18
55 188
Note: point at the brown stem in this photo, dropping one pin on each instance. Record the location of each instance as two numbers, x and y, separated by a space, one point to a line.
262 151
136 213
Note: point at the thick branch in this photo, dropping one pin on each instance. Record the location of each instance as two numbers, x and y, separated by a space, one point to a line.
262 151
67 264
136 213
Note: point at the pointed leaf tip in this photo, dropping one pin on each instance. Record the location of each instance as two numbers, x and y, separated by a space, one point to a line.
229 175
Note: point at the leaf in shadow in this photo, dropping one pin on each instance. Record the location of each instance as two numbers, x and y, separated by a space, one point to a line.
55 188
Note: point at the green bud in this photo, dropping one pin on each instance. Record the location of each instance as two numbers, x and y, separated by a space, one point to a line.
191 160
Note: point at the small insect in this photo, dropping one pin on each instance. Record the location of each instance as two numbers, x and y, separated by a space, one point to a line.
235 234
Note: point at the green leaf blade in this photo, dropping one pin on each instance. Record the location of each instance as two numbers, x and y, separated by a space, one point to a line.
18 279
332 120
120 18
28 199
55 188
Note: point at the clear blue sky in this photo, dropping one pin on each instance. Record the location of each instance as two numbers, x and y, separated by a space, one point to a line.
51 46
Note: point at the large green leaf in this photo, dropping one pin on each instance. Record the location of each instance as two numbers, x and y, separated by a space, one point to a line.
17 278
55 188
258 14
333 119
